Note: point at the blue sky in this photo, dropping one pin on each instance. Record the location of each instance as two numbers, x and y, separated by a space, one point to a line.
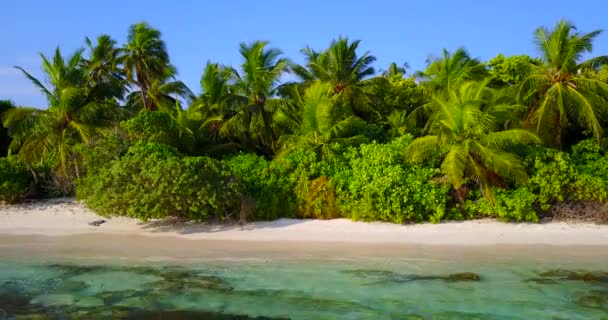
197 31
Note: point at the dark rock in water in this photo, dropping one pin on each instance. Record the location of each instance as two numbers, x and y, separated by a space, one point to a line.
558 273
409 317
542 280
449 315
209 282
113 297
177 275
369 273
71 286
389 276
75 270
177 279
596 299
463 276
561 274
189 315
13 303
590 277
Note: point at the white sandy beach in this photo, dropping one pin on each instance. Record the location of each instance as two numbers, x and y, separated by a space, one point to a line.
66 217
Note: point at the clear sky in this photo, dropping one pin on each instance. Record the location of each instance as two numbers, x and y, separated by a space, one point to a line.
197 31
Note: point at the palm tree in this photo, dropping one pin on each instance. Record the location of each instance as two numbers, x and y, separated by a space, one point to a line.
145 59
104 66
343 68
216 104
162 94
441 76
258 84
451 70
339 65
5 139
394 70
216 90
555 92
76 111
324 123
467 135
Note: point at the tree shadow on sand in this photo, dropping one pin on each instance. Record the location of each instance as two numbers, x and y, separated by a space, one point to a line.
184 226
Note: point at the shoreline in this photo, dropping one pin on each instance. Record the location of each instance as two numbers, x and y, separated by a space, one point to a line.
66 217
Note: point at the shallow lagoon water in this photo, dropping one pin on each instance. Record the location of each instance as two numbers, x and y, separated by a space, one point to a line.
303 288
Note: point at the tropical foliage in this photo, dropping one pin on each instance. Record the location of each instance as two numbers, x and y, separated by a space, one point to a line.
466 133
558 96
514 137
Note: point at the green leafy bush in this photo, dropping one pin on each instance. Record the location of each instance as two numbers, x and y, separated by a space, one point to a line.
298 184
159 127
552 174
312 180
509 205
100 151
154 181
591 164
15 180
267 182
561 177
379 185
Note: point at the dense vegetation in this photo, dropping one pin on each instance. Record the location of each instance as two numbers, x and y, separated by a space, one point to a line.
516 138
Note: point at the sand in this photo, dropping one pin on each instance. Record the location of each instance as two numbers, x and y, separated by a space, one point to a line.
66 217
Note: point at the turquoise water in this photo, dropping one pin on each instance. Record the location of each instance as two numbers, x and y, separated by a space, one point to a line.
304 289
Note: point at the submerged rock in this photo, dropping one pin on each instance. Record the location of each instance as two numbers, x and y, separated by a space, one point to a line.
113 297
542 280
562 274
13 302
177 280
71 286
54 299
596 299
557 273
89 302
369 273
463 276
389 276
190 315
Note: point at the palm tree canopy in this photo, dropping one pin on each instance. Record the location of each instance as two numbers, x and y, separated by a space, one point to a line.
324 123
452 70
556 92
261 71
76 110
467 135
104 65
146 60
145 53
339 65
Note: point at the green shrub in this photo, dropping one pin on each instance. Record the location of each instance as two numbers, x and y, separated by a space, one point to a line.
591 164
154 181
267 182
53 181
100 151
158 127
312 181
561 177
552 174
298 184
15 180
509 205
379 185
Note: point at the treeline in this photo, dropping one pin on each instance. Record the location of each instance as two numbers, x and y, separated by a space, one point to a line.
516 138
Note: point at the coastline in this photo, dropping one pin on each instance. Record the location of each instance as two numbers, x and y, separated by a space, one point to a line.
66 217
59 229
